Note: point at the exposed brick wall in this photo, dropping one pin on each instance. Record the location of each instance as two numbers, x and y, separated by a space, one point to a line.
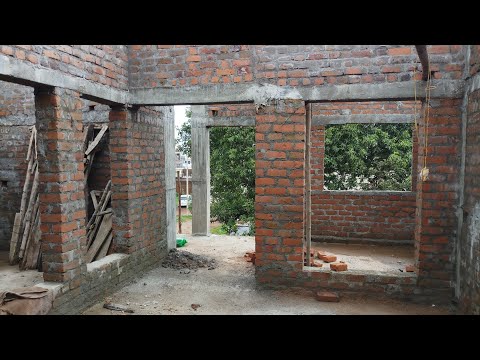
16 116
437 198
61 188
474 59
279 189
293 65
470 237
104 64
179 65
232 110
138 181
16 103
363 216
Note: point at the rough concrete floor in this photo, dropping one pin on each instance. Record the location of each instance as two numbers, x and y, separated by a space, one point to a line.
11 277
231 289
370 257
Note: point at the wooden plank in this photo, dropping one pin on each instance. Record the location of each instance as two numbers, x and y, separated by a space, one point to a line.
97 139
87 132
108 211
102 234
14 238
94 199
102 199
28 215
88 168
98 220
105 246
28 257
29 151
26 187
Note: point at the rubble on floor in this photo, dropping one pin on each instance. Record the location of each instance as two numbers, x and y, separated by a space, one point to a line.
181 259
250 255
327 296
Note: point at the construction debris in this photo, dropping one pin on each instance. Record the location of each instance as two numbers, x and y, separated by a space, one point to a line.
250 255
327 296
116 307
99 226
181 259
329 258
338 267
410 268
25 240
195 306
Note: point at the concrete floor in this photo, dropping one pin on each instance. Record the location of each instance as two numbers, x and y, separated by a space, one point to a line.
11 277
231 289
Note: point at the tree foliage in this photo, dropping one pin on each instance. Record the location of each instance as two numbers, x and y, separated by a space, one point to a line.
368 157
232 172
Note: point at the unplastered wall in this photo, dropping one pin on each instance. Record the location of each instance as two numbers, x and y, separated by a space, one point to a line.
17 114
470 233
103 64
153 66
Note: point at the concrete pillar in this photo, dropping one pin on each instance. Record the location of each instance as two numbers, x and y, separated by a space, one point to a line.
61 196
169 150
200 172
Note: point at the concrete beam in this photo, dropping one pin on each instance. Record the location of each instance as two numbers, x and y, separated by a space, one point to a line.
200 172
20 72
261 93
363 119
442 89
319 120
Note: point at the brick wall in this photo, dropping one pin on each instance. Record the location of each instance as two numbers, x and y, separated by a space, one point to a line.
16 117
279 189
104 64
474 59
294 65
364 217
437 198
138 181
61 187
470 237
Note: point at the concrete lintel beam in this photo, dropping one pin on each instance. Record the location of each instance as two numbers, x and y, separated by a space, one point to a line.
19 72
257 93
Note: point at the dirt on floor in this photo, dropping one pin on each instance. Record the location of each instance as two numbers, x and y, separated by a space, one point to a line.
231 288
11 277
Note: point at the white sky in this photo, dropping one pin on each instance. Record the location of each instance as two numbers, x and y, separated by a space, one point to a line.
180 117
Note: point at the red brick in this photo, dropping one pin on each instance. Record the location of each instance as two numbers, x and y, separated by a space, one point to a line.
329 258
410 268
338 266
327 296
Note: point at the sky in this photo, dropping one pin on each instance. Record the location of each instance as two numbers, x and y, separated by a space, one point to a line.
180 117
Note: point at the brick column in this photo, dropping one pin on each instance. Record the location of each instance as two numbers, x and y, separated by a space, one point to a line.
436 225
279 189
137 163
62 202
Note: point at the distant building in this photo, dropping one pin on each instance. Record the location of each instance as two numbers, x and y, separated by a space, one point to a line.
183 166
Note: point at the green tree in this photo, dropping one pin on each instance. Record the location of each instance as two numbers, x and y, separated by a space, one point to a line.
232 172
368 157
